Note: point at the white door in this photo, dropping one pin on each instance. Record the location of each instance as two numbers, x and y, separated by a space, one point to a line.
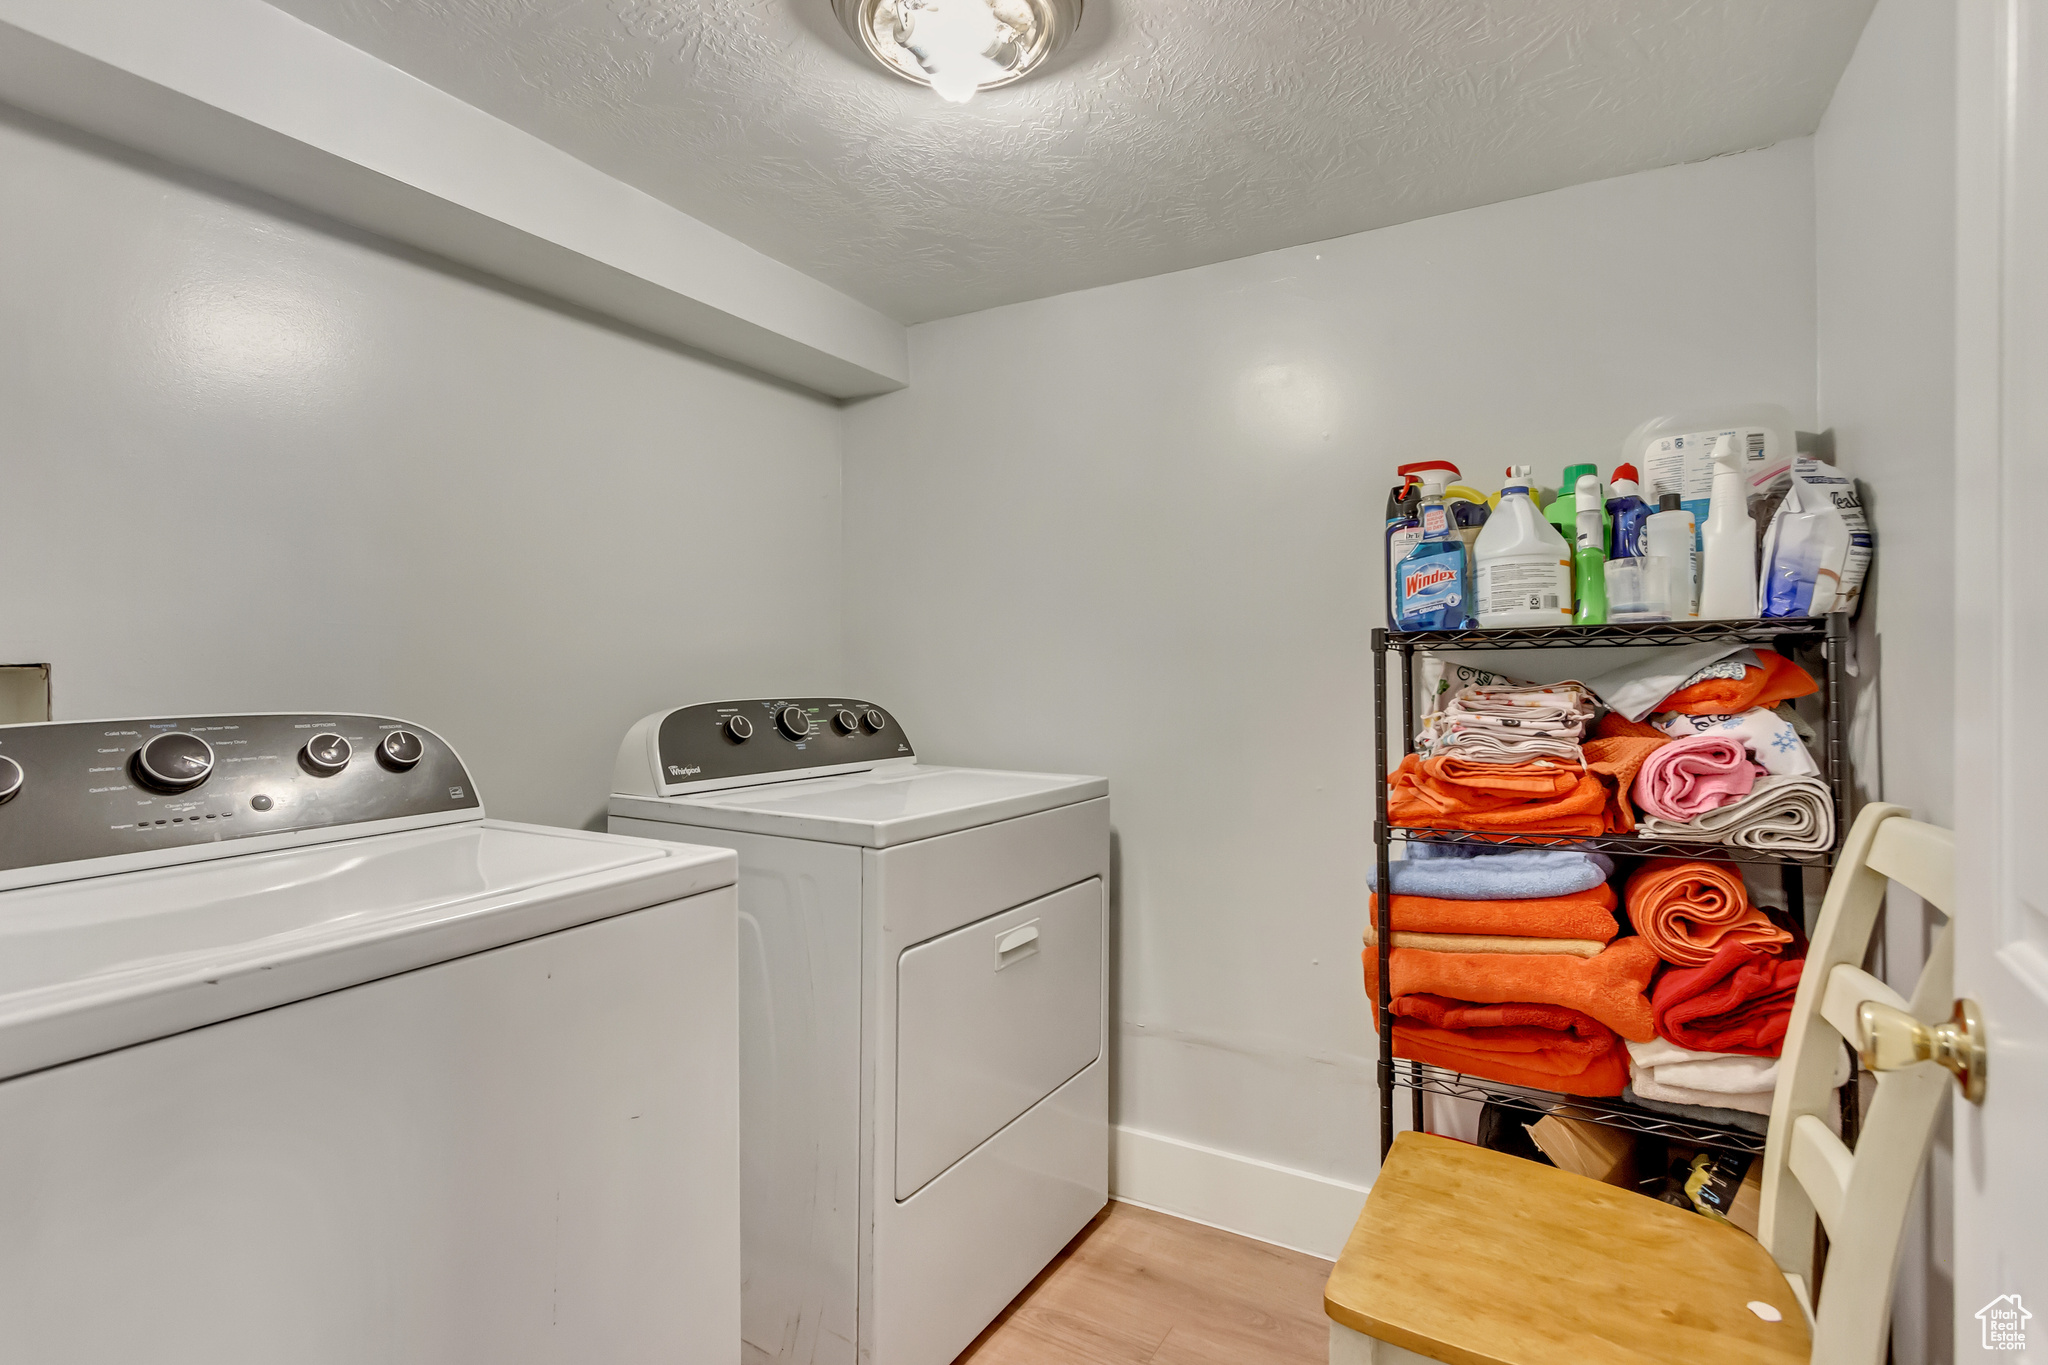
2001 1187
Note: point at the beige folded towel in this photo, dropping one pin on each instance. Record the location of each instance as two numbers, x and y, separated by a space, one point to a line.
1486 943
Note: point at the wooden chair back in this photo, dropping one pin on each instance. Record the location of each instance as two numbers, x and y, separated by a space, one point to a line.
1860 1197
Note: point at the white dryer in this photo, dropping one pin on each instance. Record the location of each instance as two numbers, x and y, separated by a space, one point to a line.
302 1059
923 1081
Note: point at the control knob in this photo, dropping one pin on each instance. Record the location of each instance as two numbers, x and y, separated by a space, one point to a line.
846 722
327 753
739 729
11 778
174 761
792 721
874 721
401 749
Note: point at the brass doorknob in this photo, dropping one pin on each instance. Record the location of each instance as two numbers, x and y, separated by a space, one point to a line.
1894 1040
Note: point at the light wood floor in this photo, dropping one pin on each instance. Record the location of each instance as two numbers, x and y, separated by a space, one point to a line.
1140 1288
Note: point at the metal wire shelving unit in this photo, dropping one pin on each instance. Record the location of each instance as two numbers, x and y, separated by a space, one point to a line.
1827 635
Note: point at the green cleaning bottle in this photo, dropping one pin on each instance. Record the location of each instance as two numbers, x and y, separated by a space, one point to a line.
1589 557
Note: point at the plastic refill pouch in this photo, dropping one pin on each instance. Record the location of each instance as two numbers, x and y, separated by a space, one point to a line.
1817 551
1675 455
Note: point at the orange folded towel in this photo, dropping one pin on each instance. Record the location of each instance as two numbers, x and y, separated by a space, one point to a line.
1611 987
1542 796
1778 680
1583 914
1615 760
1545 1047
1687 910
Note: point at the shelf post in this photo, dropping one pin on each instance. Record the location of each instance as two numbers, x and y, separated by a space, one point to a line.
1383 887
1407 747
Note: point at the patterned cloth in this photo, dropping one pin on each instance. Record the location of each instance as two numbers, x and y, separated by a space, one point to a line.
1768 736
1510 724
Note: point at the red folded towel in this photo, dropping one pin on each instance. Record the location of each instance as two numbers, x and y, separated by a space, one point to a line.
1609 987
1740 1001
1545 1047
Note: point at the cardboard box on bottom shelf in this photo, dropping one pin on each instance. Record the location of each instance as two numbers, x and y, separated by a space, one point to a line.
1590 1149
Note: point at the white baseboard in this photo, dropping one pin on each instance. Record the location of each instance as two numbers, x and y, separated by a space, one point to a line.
1276 1204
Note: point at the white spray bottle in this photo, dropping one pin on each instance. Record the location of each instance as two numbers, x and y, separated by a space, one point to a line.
1728 542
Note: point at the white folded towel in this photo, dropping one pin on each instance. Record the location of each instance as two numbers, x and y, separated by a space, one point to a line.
1789 814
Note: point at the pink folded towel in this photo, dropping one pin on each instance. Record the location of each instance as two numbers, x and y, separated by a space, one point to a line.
1694 776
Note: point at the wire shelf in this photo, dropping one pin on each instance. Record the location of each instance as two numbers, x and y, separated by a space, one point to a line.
1433 1080
1799 629
1630 844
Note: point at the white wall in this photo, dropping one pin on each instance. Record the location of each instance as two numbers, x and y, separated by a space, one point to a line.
1884 172
251 464
1136 531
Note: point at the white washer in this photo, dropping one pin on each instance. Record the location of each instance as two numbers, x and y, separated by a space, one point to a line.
302 1059
924 1097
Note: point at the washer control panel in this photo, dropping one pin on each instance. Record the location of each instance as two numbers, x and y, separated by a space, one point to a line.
721 741
74 790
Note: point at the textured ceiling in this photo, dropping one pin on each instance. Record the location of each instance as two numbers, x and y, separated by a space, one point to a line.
1170 133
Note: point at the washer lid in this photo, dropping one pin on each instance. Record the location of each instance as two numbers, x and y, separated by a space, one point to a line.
105 962
874 809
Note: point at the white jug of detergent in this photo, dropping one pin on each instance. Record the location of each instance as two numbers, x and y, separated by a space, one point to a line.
1524 568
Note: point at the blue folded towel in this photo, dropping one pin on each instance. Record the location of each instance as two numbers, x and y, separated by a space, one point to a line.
1468 872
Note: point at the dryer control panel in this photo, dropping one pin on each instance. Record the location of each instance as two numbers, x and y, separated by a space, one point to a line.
733 743
71 791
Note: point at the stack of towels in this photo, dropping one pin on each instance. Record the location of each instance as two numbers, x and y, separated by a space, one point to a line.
1507 965
1722 998
1715 764
1514 759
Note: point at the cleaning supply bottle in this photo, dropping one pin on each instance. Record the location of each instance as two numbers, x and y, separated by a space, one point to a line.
1563 511
1626 512
1430 591
1523 573
1669 534
1404 529
1728 543
1589 559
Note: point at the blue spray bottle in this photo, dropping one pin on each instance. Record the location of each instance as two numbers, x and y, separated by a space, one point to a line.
1431 591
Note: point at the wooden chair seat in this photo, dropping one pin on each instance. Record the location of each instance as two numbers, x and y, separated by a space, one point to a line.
1475 1257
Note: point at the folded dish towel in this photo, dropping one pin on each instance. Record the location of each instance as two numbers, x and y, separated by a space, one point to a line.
1774 678
1691 776
1587 914
1487 943
1610 987
1725 1073
1768 736
1701 1113
1510 723
1545 1047
1689 910
1542 796
1647 1087
1722 1073
1785 814
1740 1001
1459 872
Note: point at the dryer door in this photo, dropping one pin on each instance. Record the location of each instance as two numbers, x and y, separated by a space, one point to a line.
990 1019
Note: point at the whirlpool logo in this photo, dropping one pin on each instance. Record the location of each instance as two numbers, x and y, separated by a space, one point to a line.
675 771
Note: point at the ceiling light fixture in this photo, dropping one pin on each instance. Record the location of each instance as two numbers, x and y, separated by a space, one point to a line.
960 46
